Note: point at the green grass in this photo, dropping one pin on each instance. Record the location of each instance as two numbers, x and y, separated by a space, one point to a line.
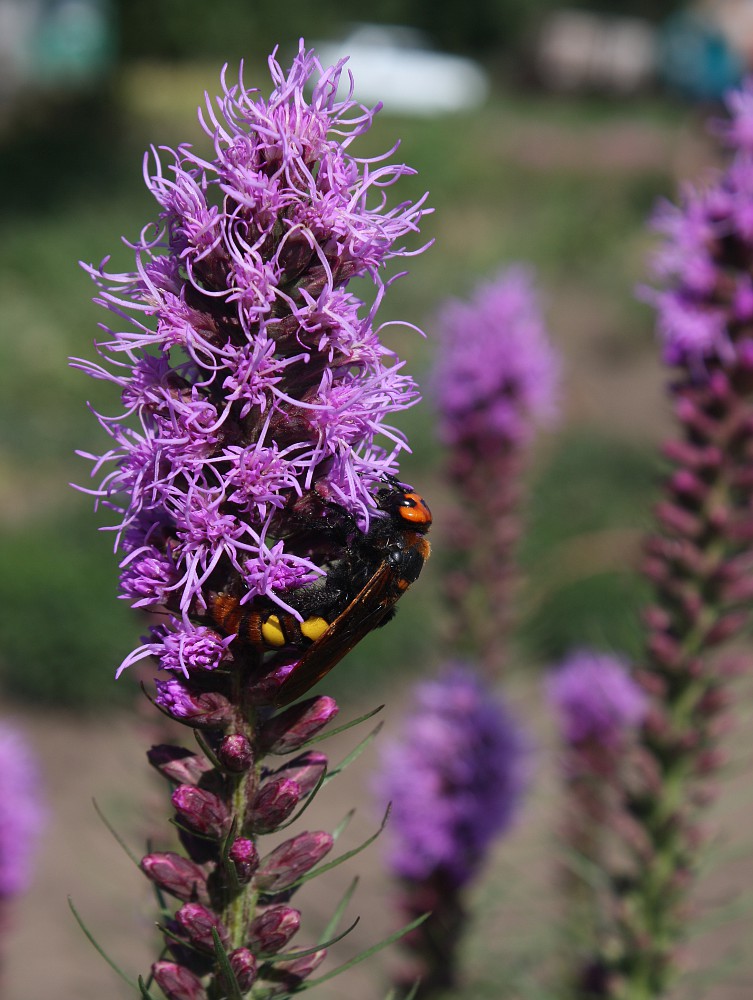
72 179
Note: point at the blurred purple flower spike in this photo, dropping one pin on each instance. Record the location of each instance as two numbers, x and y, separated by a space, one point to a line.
596 699
497 374
22 813
455 777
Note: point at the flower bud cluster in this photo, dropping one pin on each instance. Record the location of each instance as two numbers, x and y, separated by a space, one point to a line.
223 863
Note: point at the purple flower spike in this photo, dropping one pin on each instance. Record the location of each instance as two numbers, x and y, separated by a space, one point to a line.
21 811
252 470
497 373
496 381
249 375
454 777
596 699
705 295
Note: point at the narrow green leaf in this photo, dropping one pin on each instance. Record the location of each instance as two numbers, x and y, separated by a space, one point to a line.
368 953
207 750
227 864
585 868
98 947
145 994
289 956
392 995
233 989
343 825
341 908
115 833
355 753
341 729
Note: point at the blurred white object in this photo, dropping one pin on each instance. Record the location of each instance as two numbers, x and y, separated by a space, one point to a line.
578 50
393 65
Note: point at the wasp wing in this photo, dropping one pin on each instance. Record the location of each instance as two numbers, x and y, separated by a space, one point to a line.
364 613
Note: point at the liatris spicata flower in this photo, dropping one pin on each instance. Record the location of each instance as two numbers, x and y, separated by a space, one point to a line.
455 776
21 814
699 561
599 708
596 700
495 381
252 470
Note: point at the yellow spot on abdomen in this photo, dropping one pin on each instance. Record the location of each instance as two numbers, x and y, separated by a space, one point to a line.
313 628
271 632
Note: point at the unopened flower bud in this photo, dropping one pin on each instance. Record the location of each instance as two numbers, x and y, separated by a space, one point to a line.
274 802
177 982
656 617
678 519
290 729
200 710
265 691
202 811
686 483
665 649
725 627
306 769
692 415
293 858
196 921
244 965
272 929
176 875
245 857
235 753
693 456
178 764
290 973
710 760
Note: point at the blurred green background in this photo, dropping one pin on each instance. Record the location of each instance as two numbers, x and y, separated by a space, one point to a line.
562 181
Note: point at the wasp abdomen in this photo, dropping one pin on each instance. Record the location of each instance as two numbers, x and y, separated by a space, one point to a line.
269 628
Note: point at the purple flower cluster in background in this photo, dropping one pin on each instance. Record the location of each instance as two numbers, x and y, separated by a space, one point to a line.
22 813
249 375
706 310
596 699
497 374
455 777
496 379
